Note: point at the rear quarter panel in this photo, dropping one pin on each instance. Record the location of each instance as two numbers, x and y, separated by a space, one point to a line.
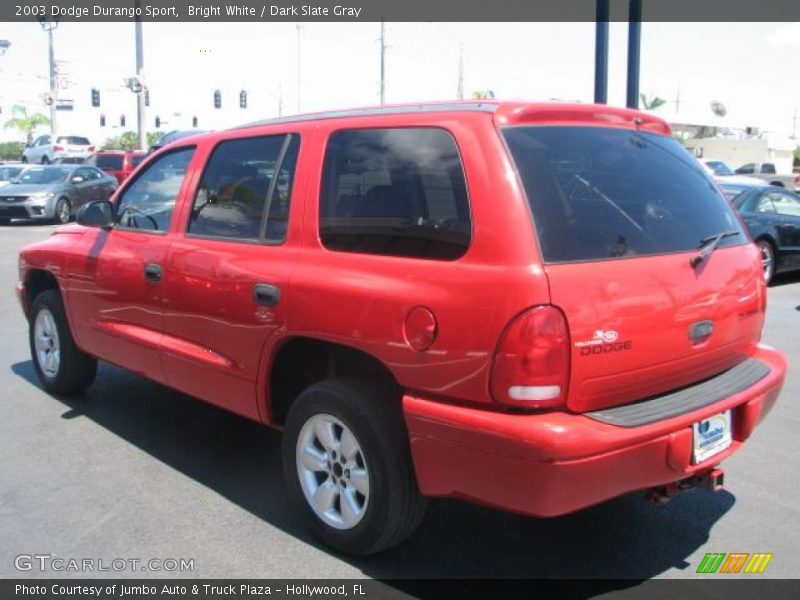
361 300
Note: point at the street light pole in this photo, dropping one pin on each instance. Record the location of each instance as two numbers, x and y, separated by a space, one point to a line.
140 95
49 26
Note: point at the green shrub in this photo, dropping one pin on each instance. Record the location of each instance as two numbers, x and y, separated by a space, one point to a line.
11 150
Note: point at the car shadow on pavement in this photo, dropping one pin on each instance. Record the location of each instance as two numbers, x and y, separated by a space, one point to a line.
625 538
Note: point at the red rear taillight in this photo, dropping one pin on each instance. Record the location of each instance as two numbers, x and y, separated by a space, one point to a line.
58 148
531 364
90 149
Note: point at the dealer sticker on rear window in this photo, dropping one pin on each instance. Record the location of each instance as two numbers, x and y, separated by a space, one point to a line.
711 436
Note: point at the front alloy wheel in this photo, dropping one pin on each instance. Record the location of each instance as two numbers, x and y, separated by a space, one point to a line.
48 349
61 366
63 211
767 260
332 471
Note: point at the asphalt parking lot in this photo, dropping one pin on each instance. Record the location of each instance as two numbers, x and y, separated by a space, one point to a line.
135 470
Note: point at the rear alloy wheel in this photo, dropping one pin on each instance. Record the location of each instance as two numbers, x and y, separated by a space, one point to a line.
63 211
347 462
767 259
61 366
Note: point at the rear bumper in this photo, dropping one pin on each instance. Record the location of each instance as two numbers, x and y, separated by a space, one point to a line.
555 463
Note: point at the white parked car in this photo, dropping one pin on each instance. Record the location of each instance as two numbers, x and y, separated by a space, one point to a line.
43 151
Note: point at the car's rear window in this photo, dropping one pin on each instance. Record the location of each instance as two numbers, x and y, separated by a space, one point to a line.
107 161
73 140
599 193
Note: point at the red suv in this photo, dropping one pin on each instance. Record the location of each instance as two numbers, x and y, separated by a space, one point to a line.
119 163
536 307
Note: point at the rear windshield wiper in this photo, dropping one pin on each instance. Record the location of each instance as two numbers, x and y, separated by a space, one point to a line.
708 245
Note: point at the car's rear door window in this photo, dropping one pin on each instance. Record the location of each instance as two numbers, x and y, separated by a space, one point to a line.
599 193
398 192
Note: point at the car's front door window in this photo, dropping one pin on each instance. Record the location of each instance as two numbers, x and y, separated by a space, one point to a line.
148 203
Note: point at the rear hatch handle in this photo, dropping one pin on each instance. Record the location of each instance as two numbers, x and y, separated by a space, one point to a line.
708 245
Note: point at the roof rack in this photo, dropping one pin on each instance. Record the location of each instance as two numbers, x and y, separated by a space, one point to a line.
489 107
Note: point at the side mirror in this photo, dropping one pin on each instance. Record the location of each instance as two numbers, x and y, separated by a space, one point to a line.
77 179
99 213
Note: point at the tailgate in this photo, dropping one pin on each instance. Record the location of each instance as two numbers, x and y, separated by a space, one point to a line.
641 327
650 265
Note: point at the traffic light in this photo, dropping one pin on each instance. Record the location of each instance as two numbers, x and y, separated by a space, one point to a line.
158 122
194 122
102 120
217 99
95 97
146 97
242 99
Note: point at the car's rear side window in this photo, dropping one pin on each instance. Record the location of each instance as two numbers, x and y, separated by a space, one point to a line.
244 179
598 193
398 192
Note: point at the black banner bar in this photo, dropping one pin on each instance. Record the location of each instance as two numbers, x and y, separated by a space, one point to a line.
394 10
705 587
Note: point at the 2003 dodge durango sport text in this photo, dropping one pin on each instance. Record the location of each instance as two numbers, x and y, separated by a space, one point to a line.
536 307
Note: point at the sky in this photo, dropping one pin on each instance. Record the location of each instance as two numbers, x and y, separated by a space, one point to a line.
749 67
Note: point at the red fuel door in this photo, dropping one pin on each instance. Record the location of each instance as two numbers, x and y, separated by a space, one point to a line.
420 328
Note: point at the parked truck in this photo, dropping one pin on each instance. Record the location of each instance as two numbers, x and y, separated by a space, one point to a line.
768 173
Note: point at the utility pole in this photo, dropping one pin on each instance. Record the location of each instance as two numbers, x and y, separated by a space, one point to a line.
677 102
140 95
49 26
601 53
634 52
460 70
383 62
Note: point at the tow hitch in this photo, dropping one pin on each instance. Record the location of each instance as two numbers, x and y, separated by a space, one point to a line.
712 479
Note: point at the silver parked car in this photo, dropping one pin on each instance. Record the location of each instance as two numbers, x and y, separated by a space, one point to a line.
53 192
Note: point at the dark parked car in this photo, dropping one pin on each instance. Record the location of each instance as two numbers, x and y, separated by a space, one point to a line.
772 214
172 136
53 192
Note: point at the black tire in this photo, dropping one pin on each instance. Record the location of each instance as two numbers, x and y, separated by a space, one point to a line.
24 159
61 215
4 220
395 507
76 369
768 258
45 160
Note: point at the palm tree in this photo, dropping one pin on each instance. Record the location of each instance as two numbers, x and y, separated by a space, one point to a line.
482 95
25 123
651 103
